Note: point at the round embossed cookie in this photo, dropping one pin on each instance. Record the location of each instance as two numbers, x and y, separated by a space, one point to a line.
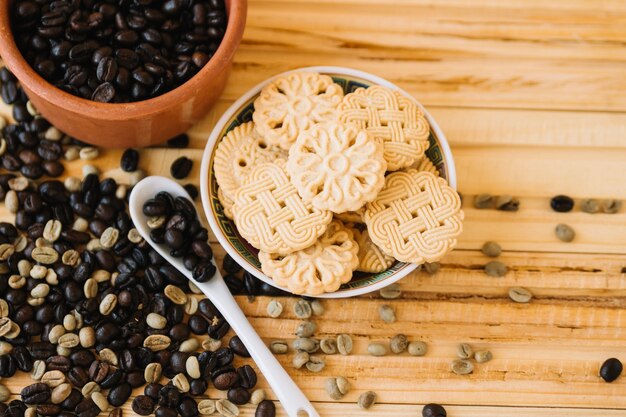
271 215
391 117
416 217
226 203
241 149
293 103
337 166
320 268
371 258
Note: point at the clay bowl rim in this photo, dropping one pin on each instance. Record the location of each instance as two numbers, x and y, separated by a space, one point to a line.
235 108
28 77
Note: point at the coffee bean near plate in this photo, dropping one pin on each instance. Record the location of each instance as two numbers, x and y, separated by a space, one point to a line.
135 54
181 167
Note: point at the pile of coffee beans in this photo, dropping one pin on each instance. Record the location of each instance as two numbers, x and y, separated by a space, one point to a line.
118 51
93 312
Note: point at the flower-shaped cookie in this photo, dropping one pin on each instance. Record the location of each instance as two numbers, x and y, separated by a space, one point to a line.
293 103
416 217
237 153
270 214
226 203
337 166
320 268
371 258
392 118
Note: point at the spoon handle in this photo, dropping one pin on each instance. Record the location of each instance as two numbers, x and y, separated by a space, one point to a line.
290 396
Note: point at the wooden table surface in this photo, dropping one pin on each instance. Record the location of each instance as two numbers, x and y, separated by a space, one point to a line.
531 95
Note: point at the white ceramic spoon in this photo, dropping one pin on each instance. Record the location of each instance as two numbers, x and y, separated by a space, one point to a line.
290 396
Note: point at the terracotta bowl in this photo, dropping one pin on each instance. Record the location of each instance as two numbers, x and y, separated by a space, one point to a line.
136 124
225 230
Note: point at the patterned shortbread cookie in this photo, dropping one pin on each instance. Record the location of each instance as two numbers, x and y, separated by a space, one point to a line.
271 215
241 149
351 216
337 166
391 117
425 165
293 103
416 217
226 202
371 258
320 268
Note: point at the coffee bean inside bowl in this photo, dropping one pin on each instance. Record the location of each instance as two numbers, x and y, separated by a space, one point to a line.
118 51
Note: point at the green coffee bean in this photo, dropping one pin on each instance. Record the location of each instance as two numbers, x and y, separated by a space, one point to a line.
257 396
464 351
564 232
496 269
432 267
302 309
507 203
328 346
300 359
306 329
344 344
226 408
366 400
337 387
590 205
279 347
317 307
520 295
491 249
398 343
315 363
306 344
391 292
611 206
483 201
377 349
274 309
206 407
483 356
417 348
462 367
386 313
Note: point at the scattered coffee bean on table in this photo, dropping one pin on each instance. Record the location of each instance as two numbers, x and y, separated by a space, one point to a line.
302 309
496 269
611 206
611 369
564 232
482 356
181 167
483 201
432 267
464 351
491 249
386 313
590 205
562 203
377 349
391 292
366 400
507 203
417 348
274 308
265 408
520 295
462 367
399 343
434 410
337 387
118 52
130 160
344 344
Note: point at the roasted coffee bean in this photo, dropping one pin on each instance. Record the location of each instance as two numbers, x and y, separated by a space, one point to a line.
434 410
72 400
78 376
37 393
562 203
611 369
87 408
169 396
197 324
143 405
266 408
130 160
165 412
119 395
238 396
181 167
226 380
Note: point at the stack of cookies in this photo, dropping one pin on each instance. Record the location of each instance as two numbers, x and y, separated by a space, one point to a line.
325 184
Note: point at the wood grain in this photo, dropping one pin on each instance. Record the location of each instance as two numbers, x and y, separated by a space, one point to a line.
530 95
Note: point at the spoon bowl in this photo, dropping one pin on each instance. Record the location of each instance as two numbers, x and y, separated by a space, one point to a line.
291 397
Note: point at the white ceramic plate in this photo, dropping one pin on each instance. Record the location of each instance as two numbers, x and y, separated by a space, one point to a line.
226 232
